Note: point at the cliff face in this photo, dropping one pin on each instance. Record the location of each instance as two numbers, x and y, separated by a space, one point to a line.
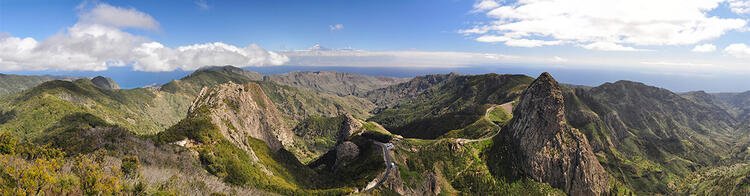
242 111
544 147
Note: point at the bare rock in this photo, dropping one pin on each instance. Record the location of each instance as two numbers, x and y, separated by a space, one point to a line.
545 148
242 111
345 153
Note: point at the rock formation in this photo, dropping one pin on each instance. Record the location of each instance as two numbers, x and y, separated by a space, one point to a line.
105 83
544 147
242 111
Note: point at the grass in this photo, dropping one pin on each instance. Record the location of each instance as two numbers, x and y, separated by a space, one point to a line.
500 116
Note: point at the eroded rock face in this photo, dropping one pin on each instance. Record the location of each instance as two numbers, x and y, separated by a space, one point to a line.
345 153
348 128
242 111
105 83
545 148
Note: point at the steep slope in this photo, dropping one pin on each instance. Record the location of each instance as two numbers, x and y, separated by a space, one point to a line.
242 111
450 105
738 103
540 144
105 83
294 103
143 111
390 95
239 137
10 83
648 137
337 83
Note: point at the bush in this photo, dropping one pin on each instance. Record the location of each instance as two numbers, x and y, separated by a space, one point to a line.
130 166
94 180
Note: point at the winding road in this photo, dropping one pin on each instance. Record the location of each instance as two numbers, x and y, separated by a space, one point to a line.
506 106
388 166
389 160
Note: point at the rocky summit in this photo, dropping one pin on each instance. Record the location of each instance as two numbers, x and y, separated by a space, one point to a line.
105 83
241 111
545 148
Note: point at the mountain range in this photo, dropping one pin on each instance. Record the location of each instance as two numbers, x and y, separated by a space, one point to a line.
225 130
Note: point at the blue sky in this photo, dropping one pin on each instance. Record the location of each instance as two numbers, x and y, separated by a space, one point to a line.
662 43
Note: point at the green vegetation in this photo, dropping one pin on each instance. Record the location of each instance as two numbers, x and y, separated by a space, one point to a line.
40 107
500 116
15 83
320 132
278 172
452 105
460 169
722 180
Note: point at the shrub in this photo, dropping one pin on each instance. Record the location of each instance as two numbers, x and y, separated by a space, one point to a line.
130 166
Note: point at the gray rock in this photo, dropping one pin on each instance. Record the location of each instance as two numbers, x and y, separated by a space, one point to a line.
545 148
105 83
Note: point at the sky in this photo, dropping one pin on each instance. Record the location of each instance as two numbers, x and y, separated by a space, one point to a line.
681 45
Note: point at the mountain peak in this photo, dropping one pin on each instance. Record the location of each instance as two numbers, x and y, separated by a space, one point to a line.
105 83
545 148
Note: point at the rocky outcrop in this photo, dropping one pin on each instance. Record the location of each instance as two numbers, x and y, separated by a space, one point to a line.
544 147
345 153
105 83
242 111
348 128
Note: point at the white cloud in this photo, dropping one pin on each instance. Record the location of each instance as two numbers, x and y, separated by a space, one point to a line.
105 14
484 5
423 59
609 46
704 48
740 6
559 59
336 27
738 50
615 22
202 4
96 44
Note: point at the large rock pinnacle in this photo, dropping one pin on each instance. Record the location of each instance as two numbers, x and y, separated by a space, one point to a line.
546 149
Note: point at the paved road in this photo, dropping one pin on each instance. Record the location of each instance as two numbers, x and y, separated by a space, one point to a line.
388 163
387 156
508 107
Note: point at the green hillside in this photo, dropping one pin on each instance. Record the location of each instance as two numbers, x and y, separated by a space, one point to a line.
647 137
450 105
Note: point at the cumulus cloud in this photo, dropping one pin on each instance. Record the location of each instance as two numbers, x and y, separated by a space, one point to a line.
738 50
704 48
96 43
336 27
740 6
484 5
606 24
105 14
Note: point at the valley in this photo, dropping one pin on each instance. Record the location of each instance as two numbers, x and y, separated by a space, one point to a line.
238 132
